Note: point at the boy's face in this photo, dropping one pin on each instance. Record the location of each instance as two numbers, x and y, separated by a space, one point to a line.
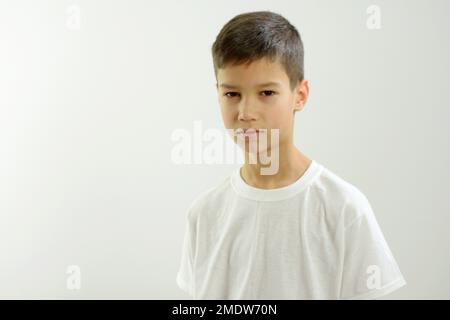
247 101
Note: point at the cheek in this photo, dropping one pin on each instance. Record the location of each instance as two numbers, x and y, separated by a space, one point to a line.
275 116
227 117
280 118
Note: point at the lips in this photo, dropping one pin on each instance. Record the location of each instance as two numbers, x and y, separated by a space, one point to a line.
250 133
247 130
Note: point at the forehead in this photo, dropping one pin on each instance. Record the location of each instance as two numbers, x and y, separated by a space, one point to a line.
255 73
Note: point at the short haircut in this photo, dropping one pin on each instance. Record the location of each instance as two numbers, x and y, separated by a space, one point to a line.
260 34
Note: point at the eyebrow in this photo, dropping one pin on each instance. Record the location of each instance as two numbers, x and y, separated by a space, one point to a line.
272 83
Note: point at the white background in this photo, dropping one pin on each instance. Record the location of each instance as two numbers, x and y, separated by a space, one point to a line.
86 117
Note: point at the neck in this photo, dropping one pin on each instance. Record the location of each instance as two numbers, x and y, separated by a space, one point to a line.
292 165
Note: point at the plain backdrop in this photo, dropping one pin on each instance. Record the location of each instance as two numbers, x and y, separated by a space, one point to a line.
87 115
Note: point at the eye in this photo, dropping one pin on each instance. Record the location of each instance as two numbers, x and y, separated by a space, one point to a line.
269 93
226 94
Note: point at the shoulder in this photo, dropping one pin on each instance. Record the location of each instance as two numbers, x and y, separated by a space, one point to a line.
340 196
209 200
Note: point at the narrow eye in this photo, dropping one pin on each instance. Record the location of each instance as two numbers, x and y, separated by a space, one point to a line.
226 94
269 91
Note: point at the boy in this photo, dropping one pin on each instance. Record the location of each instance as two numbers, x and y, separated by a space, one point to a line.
300 232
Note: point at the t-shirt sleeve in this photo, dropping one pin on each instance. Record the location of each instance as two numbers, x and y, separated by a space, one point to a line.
184 278
369 268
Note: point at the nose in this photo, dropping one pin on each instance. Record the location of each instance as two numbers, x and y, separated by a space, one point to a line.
246 113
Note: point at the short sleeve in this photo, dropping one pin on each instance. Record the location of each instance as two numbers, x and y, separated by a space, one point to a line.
184 278
369 268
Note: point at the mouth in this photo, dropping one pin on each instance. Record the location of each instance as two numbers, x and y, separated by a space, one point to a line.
250 132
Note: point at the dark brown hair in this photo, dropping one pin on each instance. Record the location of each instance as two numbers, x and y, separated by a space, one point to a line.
260 34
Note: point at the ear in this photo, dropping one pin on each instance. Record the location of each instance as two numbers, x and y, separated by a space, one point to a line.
301 95
298 106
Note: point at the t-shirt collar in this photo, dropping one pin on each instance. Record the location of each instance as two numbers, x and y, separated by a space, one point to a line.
247 191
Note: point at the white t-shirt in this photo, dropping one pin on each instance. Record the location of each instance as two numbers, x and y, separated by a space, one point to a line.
316 238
